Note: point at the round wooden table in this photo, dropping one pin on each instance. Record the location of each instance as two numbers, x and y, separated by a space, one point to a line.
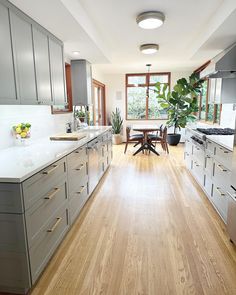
145 129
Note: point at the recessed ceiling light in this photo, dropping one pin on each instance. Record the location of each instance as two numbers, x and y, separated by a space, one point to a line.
150 19
76 52
149 48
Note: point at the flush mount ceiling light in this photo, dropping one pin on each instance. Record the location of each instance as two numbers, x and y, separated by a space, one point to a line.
150 19
75 52
149 48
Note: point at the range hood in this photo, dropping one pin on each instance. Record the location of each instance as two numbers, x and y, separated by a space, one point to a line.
222 66
81 80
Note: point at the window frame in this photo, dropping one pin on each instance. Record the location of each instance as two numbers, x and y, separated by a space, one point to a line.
147 75
205 120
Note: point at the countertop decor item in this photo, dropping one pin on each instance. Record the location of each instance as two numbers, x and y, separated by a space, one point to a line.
116 122
21 132
181 103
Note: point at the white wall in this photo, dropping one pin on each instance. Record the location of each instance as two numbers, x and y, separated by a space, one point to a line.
43 122
228 115
115 84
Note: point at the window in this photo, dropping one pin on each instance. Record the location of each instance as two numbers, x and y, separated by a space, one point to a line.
208 112
138 105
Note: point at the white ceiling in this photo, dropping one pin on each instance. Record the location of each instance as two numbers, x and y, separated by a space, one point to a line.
105 31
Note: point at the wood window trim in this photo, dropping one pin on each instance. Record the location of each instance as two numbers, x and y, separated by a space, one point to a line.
99 84
68 92
143 85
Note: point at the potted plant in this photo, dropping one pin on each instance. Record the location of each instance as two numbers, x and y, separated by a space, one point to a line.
80 114
116 123
180 104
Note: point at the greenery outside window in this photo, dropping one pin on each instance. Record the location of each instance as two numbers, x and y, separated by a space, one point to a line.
139 106
208 112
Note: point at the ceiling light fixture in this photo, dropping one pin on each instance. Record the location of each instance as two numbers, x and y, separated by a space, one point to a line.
149 48
75 52
150 19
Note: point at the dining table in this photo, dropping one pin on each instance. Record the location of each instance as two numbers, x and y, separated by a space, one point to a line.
145 129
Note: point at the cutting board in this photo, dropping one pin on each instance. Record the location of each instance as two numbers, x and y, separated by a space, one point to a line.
68 136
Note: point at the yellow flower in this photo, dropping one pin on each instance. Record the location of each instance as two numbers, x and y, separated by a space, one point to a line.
18 130
23 134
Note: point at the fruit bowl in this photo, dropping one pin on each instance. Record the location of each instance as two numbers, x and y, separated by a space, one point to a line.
21 131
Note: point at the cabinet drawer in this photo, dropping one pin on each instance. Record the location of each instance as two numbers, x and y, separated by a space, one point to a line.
198 172
41 183
198 155
188 147
39 214
208 185
46 244
78 176
188 160
11 200
77 158
210 146
209 164
77 201
221 176
224 156
220 200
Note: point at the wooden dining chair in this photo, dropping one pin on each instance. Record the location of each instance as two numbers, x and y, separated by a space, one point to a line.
160 137
134 138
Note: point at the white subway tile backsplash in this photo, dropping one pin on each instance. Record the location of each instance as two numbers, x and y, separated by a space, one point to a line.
43 122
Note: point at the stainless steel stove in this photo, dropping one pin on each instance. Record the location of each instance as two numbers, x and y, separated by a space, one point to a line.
216 131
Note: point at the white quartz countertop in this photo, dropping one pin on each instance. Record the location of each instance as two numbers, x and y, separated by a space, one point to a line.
226 141
18 163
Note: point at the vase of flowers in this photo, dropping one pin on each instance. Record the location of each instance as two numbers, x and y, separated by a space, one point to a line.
21 132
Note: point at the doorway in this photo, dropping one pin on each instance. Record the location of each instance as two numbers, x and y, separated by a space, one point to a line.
99 103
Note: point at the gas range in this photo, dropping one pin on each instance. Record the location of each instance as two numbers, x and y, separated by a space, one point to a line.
216 131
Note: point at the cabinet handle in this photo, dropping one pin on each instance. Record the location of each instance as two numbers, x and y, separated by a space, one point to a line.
220 192
78 151
222 168
50 230
208 157
82 189
225 152
80 167
52 193
196 164
54 167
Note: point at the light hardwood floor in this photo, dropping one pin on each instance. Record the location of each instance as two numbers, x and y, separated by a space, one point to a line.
148 229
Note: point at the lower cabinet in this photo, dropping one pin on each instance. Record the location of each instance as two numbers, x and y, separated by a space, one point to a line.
220 201
35 215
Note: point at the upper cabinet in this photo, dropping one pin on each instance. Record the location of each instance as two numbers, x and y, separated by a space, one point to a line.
42 67
7 78
81 74
57 72
222 90
24 59
32 61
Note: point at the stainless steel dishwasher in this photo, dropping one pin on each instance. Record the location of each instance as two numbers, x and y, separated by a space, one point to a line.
93 164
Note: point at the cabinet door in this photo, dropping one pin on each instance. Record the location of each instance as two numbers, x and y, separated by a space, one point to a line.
212 90
42 68
218 90
24 59
7 79
57 72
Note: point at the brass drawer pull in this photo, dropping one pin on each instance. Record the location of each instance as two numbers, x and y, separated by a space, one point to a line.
208 157
78 151
82 189
49 171
222 168
81 166
52 194
50 230
196 164
220 192
225 151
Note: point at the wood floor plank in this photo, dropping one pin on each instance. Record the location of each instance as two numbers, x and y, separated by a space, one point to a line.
148 229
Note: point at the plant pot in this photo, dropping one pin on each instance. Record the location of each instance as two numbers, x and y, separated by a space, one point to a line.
82 119
173 139
116 139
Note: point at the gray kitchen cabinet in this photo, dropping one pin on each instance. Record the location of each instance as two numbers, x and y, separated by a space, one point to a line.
7 77
42 68
57 72
81 75
23 59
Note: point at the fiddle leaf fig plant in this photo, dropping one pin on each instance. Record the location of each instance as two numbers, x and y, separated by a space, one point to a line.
116 121
182 102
